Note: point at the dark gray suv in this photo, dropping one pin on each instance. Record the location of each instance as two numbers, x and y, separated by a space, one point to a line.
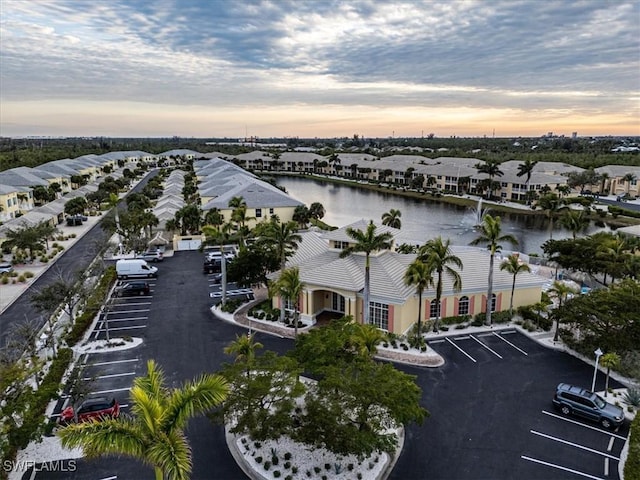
571 400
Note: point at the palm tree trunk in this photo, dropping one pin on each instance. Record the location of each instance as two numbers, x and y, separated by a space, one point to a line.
419 312
223 272
283 264
489 320
159 473
513 289
365 315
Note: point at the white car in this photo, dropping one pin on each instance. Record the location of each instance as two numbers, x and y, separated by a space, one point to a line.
6 267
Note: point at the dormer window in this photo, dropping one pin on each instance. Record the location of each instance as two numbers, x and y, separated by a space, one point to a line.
341 245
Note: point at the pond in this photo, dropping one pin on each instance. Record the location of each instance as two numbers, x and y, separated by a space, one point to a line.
422 219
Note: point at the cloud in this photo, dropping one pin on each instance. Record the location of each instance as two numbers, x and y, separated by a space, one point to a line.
528 55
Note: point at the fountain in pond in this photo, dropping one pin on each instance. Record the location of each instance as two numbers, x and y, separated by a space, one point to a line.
475 215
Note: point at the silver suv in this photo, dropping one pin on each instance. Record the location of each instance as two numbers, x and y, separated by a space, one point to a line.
571 400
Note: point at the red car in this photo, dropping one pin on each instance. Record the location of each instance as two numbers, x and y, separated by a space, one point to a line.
93 408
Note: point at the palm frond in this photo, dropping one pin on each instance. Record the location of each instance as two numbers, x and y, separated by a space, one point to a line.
104 437
147 410
172 454
193 398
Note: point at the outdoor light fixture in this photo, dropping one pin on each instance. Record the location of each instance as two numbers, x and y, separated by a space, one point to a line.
598 354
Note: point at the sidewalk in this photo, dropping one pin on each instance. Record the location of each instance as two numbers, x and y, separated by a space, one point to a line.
11 291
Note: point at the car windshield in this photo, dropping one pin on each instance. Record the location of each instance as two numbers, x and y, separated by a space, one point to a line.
600 403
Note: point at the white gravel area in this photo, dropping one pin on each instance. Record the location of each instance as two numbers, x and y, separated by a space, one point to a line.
48 450
98 346
307 459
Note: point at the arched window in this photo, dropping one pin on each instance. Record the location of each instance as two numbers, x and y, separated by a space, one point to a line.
434 309
463 306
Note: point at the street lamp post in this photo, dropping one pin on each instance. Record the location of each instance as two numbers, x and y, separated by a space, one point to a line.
598 354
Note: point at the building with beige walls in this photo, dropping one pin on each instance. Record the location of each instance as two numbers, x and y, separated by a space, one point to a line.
336 285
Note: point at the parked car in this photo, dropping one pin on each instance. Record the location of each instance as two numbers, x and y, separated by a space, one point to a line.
74 220
90 409
135 268
572 400
151 256
132 288
6 267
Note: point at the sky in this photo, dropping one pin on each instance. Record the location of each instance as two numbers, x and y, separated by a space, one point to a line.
306 68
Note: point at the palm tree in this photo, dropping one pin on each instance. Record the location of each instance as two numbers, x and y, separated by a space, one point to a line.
366 338
392 218
154 433
437 255
552 205
284 239
513 266
560 291
367 242
491 235
603 187
221 234
609 361
113 204
420 275
290 287
244 348
526 168
316 210
491 168
575 221
628 178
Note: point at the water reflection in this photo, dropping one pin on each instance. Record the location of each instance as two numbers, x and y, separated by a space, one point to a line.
421 219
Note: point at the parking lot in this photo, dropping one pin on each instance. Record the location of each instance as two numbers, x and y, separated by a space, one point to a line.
492 415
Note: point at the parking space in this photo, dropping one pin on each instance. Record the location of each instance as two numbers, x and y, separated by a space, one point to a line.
125 315
233 291
581 449
480 346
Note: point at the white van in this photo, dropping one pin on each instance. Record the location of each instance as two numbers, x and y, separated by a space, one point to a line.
135 268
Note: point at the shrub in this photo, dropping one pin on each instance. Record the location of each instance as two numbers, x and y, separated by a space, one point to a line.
287 456
632 465
29 274
632 397
276 473
258 459
316 469
267 465
457 319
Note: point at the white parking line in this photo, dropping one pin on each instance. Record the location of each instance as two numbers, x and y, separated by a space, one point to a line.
109 478
125 319
486 346
464 337
606 467
437 341
100 392
583 425
112 312
112 362
560 467
610 446
472 359
504 332
576 445
111 329
505 340
109 376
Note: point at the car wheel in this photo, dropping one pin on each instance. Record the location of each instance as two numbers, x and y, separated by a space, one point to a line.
565 410
606 423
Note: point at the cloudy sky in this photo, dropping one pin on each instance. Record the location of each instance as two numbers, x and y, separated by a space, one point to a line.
306 68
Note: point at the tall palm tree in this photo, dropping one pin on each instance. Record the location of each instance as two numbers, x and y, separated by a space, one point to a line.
491 236
367 242
244 349
609 360
290 286
420 275
154 432
560 291
526 168
113 204
284 239
552 205
513 266
604 176
221 234
392 218
575 221
491 168
628 178
437 255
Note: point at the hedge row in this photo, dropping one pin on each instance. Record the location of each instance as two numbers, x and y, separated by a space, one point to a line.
83 321
617 211
632 465
36 405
